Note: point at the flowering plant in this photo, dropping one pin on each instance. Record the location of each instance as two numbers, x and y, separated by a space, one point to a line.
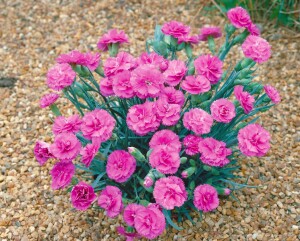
157 134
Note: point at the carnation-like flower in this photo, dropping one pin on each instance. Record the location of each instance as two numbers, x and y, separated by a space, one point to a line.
147 81
272 93
206 32
245 99
172 96
92 60
165 138
60 76
188 39
62 174
168 113
254 140
111 37
214 152
143 118
48 99
98 124
66 124
257 49
88 153
150 222
198 121
42 152
210 67
82 196
170 192
121 84
222 110
154 59
65 147
175 72
253 29
239 17
196 85
123 61
165 159
191 143
111 200
120 166
175 29
206 198
106 87
130 213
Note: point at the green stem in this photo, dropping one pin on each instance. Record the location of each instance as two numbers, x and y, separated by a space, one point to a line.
55 110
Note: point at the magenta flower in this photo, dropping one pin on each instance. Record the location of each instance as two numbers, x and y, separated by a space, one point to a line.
206 198
60 76
175 72
65 147
175 29
222 110
147 81
170 192
120 166
98 124
130 213
62 174
253 29
143 118
111 200
92 61
168 113
66 124
206 32
111 37
106 87
214 152
42 152
191 143
172 96
88 153
257 49
245 99
154 59
123 61
165 159
210 67
239 17
254 140
121 85
188 39
272 93
195 85
48 99
82 196
198 121
165 138
148 182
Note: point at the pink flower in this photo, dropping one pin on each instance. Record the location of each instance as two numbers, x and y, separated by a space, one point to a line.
42 152
257 49
111 37
60 76
82 196
98 124
148 182
172 96
245 99
272 93
175 72
222 110
210 67
239 17
227 191
188 39
66 124
253 29
123 61
106 87
62 174
154 59
214 152
88 153
168 113
130 213
165 138
170 192
147 81
143 118
92 61
121 85
191 143
198 121
206 198
254 140
65 147
196 85
48 99
127 235
150 222
205 32
165 159
111 200
175 29
120 166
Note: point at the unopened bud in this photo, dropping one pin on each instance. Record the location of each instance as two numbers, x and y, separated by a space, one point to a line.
245 63
188 172
223 191
137 154
183 160
148 182
240 38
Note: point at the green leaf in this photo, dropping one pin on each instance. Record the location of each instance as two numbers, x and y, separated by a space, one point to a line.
169 220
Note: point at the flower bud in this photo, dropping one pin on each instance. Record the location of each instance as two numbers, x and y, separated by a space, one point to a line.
245 63
206 168
188 172
192 162
240 38
148 182
223 191
137 154
183 160
245 73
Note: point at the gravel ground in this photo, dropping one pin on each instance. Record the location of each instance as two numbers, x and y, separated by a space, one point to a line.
33 34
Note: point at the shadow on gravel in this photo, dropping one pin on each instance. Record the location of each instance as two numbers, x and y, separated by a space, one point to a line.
7 82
